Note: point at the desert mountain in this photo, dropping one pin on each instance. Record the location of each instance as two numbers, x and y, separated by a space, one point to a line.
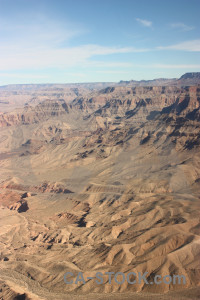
100 178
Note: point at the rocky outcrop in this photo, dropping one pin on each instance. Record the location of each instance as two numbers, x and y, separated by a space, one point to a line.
30 115
192 75
42 188
19 206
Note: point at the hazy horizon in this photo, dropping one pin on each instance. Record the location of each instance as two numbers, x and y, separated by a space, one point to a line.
87 82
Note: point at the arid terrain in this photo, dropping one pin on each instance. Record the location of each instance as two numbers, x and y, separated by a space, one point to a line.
100 178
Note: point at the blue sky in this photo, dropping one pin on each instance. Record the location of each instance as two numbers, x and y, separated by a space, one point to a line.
63 41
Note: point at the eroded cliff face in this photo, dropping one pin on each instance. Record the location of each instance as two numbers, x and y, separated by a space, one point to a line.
29 114
109 182
119 101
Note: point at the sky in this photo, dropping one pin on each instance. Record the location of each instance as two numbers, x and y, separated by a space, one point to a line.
68 41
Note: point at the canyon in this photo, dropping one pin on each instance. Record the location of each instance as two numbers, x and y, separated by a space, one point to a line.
100 177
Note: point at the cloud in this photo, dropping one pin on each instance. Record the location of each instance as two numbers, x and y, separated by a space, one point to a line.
165 66
108 64
171 66
181 26
190 46
112 72
143 22
45 57
41 43
24 76
37 31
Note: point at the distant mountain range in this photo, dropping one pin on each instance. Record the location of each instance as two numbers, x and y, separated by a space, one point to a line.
187 79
